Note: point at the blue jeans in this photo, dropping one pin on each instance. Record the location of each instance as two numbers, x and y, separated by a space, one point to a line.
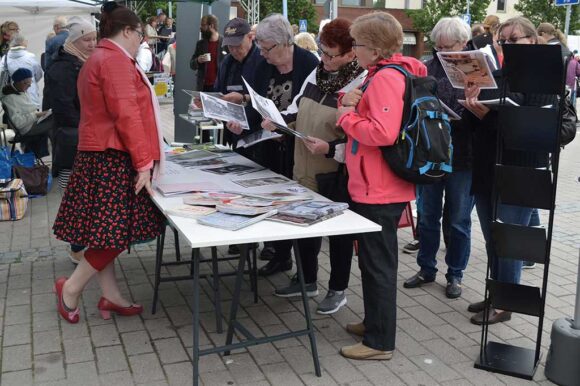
504 270
460 204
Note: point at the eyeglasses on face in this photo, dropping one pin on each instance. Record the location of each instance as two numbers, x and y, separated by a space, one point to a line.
331 56
442 47
141 34
511 40
356 45
266 50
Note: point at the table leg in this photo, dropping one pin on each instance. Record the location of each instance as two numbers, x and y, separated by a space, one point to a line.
158 262
195 311
236 294
216 290
309 325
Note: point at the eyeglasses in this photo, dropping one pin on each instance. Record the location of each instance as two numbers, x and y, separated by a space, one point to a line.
355 45
141 34
511 40
445 48
266 50
330 56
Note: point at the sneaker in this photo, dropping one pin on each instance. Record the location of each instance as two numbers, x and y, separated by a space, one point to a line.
294 289
528 265
331 303
453 289
412 247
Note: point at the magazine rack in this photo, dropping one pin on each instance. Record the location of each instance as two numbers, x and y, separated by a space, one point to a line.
534 129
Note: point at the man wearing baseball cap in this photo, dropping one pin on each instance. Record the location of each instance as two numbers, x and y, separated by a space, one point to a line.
241 62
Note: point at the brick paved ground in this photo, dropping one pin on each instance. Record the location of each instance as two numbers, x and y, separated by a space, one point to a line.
436 344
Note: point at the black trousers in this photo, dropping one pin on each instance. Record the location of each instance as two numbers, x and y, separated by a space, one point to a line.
340 251
378 261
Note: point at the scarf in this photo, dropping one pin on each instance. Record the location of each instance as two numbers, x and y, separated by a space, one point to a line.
160 167
330 83
73 50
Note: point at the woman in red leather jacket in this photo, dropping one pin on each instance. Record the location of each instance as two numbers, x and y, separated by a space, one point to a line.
107 206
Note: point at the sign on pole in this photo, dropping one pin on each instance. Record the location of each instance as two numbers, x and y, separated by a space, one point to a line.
566 2
466 18
303 25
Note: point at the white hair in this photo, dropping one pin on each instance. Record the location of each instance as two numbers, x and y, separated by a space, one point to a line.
60 21
452 29
275 28
18 40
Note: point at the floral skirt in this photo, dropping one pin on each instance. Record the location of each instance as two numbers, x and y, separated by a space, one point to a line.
100 209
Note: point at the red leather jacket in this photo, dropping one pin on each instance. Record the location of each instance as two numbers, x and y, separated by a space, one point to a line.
116 107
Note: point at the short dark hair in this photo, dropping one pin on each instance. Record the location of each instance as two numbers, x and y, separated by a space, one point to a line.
336 34
210 20
115 18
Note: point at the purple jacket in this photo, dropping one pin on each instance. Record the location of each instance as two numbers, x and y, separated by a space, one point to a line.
572 72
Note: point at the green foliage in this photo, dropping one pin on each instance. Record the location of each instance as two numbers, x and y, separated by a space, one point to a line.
539 11
425 19
149 8
297 9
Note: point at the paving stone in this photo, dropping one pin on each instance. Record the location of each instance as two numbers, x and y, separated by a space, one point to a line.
137 342
160 328
17 378
16 358
105 335
78 350
48 367
16 297
120 378
111 359
84 373
146 368
17 334
46 321
17 315
46 342
179 374
170 350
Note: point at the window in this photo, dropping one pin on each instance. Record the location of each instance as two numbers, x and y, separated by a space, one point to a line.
501 5
351 3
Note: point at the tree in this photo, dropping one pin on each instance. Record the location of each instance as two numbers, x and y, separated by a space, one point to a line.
425 19
540 11
297 9
147 9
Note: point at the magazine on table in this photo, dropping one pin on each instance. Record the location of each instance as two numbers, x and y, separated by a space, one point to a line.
192 155
257 137
281 196
301 221
264 181
312 209
203 163
245 210
190 211
218 108
467 67
173 189
234 169
232 222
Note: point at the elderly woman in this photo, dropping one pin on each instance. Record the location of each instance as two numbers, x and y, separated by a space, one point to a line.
106 205
485 123
372 119
314 113
283 72
7 30
449 34
306 41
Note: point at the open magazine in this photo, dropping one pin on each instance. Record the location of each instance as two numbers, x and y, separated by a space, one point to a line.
257 137
267 109
232 222
467 67
218 108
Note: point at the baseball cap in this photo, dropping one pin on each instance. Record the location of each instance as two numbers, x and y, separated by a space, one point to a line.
235 31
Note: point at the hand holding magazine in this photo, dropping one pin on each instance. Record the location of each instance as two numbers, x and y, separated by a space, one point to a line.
218 108
468 67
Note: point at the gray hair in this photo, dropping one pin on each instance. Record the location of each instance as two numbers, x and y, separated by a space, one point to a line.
60 21
452 28
18 40
275 28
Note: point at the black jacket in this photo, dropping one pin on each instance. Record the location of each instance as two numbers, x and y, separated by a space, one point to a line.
60 94
202 48
460 133
278 156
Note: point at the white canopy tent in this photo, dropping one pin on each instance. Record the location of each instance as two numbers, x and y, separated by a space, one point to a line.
35 17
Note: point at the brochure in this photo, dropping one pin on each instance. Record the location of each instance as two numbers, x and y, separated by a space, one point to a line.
234 169
232 222
257 137
452 114
264 181
193 155
301 221
281 196
218 108
190 211
246 210
312 210
172 189
467 67
491 103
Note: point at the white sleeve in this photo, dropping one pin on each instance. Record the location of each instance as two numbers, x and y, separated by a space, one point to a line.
293 108
144 59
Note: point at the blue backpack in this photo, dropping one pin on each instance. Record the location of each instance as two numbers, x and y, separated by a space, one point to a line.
423 151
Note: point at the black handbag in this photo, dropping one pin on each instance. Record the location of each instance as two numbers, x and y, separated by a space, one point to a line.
35 178
569 122
334 185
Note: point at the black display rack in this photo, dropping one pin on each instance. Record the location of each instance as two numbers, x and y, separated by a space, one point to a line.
528 69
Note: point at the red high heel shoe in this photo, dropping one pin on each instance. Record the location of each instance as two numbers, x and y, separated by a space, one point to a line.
106 307
71 316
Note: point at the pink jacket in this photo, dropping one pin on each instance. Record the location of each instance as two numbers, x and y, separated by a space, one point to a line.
376 122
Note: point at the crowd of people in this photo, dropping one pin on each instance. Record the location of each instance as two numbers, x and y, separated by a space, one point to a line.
107 145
